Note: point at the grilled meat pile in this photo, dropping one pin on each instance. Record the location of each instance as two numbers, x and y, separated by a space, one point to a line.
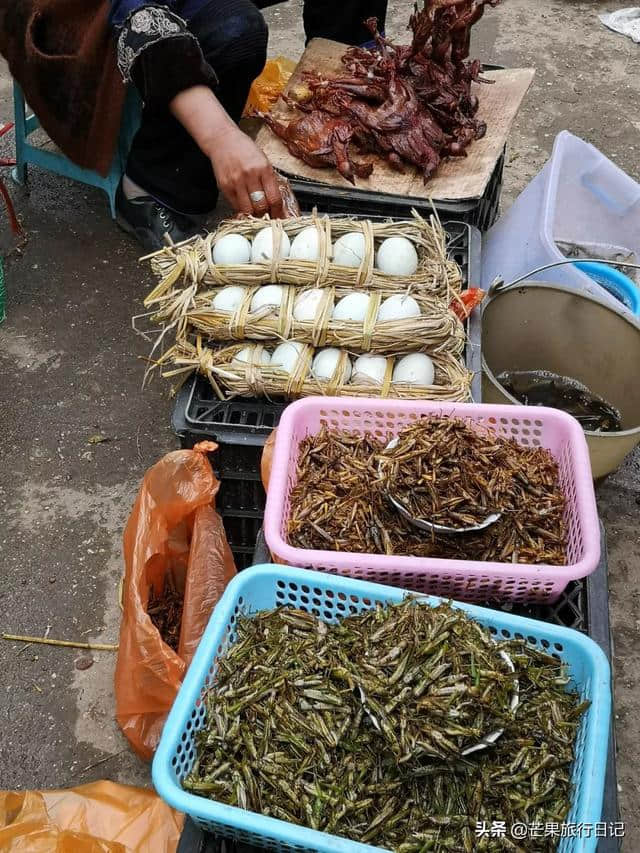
409 104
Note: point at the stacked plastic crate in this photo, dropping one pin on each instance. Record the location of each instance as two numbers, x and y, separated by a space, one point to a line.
242 426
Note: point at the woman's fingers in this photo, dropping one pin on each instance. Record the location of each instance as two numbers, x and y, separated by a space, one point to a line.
264 194
258 185
243 203
258 198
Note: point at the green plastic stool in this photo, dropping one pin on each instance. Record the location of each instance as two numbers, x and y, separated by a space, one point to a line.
56 162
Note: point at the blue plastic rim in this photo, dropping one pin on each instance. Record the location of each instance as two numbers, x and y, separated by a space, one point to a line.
331 597
615 282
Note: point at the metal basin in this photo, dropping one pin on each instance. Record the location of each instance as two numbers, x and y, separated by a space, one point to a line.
539 326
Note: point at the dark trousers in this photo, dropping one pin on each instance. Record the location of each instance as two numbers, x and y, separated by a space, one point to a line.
342 20
164 160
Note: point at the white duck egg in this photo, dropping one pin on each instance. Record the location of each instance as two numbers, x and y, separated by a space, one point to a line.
369 369
348 250
270 294
352 308
232 249
228 299
398 307
262 248
325 363
414 369
285 355
307 304
397 256
306 245
247 356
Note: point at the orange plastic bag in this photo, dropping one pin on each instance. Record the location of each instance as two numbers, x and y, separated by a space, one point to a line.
267 88
173 528
101 817
266 459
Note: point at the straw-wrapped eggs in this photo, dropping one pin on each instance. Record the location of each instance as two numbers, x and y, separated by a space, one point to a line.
348 250
369 370
306 245
306 305
262 248
248 356
286 356
397 256
270 295
232 249
414 369
326 363
398 307
228 299
352 308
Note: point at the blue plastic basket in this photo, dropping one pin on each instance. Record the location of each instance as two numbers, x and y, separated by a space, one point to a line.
331 597
615 282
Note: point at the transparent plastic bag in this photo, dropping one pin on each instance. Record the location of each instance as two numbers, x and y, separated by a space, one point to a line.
290 205
101 817
173 530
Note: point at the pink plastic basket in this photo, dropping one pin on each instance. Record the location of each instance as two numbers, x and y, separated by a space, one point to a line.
462 579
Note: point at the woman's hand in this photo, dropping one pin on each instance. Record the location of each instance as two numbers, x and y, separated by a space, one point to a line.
240 167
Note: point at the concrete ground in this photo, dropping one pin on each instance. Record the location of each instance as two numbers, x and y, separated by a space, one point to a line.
70 370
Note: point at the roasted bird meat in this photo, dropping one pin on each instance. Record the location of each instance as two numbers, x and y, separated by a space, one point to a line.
411 104
321 139
402 129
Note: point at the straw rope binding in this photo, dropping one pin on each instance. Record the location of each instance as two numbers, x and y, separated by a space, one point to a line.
231 378
437 328
192 261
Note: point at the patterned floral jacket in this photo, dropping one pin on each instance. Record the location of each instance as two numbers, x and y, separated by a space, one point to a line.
156 50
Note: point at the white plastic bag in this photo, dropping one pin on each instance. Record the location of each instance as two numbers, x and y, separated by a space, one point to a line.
624 21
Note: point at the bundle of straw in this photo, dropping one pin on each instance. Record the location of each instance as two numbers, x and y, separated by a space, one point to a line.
231 378
193 260
436 329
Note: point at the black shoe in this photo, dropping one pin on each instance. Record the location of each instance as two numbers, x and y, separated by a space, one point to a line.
148 221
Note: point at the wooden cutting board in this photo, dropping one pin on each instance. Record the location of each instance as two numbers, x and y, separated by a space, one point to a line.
456 179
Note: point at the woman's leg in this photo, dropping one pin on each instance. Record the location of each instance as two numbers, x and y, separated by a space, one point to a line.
164 160
342 20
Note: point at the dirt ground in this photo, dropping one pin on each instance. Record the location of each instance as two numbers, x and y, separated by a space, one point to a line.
70 369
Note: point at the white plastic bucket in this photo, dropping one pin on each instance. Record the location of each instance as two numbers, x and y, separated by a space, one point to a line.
579 197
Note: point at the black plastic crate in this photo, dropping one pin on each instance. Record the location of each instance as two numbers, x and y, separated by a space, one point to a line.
241 429
480 212
242 426
198 413
242 528
244 422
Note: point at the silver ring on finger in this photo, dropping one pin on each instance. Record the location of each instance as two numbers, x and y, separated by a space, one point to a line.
257 197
